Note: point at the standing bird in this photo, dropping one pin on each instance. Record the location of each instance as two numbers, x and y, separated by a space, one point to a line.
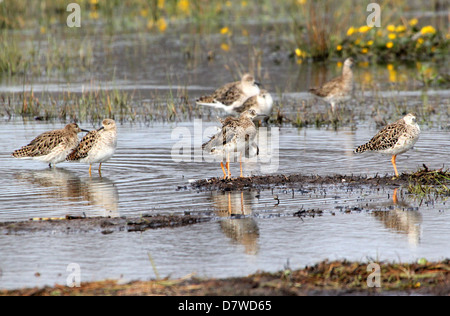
394 139
339 89
97 146
236 135
232 95
261 103
51 147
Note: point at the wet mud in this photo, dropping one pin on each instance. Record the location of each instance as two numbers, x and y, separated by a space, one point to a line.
102 225
324 278
423 176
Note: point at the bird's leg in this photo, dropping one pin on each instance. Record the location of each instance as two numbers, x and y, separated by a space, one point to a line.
240 162
228 165
395 166
90 170
100 170
394 196
333 107
223 169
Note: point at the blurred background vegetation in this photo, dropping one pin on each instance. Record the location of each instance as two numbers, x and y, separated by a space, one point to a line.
36 46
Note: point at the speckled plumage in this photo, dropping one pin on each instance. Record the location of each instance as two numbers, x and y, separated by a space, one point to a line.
97 146
51 147
231 95
236 135
339 89
394 139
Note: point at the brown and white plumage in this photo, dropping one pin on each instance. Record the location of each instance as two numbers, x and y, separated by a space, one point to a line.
51 147
339 89
237 135
97 146
231 95
261 103
394 139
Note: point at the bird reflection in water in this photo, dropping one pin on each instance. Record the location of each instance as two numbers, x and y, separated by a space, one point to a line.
237 222
402 218
60 186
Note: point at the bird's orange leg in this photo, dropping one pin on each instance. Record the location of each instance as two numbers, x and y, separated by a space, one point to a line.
394 196
90 170
223 169
228 166
100 170
395 166
240 162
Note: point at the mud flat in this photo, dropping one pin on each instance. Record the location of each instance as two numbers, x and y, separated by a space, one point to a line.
324 278
421 177
104 225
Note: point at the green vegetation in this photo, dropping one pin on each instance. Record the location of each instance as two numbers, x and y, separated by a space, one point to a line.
427 182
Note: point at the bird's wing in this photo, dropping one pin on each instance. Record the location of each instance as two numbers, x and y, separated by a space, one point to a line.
83 148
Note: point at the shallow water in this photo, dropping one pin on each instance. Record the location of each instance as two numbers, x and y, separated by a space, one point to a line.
263 234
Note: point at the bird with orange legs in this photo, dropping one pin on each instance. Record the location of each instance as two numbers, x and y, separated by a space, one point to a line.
394 139
237 135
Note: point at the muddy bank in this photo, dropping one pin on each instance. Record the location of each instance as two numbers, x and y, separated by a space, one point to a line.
423 176
102 225
295 181
325 278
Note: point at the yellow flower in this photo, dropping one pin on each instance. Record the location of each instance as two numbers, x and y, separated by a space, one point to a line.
162 24
392 36
420 41
43 30
391 28
357 41
370 43
224 30
364 50
244 4
228 4
339 64
389 45
301 1
390 67
339 48
350 31
161 4
400 29
93 15
93 2
225 47
144 13
428 30
364 29
413 22
183 5
298 52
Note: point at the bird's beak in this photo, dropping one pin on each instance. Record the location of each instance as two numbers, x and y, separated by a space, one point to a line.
100 129
258 83
84 130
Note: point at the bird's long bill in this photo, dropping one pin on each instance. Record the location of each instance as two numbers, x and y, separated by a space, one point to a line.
100 129
258 83
85 131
